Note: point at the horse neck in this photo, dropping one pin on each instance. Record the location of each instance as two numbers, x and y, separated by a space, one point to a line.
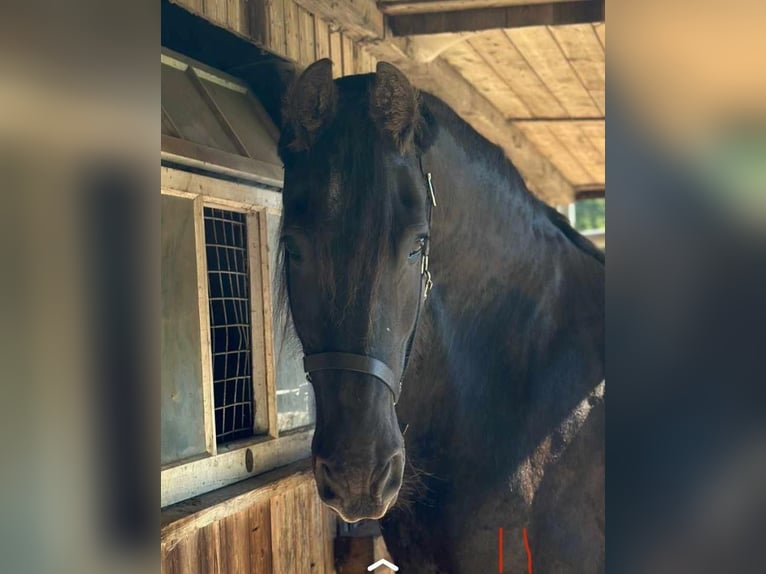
503 267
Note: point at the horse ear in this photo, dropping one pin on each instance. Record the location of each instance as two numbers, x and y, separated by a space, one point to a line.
394 105
309 104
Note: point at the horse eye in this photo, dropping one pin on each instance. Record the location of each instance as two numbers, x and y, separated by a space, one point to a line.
418 246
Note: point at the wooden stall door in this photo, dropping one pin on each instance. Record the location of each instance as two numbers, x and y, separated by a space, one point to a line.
277 527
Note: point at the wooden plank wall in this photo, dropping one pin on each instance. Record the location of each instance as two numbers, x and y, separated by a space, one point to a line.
286 29
287 532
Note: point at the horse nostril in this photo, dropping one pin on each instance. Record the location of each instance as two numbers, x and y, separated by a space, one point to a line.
325 469
388 479
324 481
326 492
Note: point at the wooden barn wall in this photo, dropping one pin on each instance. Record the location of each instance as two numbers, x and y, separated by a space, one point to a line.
279 527
286 29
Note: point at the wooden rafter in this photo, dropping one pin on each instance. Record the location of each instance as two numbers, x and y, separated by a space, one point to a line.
517 16
398 7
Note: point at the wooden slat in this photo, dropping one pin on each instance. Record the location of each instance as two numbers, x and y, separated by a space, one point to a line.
215 11
282 535
580 147
278 39
600 30
260 23
322 38
208 401
260 538
235 543
268 334
192 185
543 54
336 53
362 61
549 145
198 553
289 534
582 48
266 20
236 17
306 20
192 478
548 14
171 560
361 18
395 7
330 527
596 134
357 68
196 6
316 531
292 31
473 67
258 321
508 63
348 55
209 549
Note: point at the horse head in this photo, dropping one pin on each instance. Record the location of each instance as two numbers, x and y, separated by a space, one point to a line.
355 235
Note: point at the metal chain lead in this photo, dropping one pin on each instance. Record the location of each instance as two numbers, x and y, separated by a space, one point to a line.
425 273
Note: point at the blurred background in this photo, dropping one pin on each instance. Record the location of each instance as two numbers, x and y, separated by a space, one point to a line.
79 222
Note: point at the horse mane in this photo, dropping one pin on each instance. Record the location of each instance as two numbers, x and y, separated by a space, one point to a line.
479 146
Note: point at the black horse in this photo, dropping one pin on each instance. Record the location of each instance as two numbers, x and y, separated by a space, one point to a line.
389 195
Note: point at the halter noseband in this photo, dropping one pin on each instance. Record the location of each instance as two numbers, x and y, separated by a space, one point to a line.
370 365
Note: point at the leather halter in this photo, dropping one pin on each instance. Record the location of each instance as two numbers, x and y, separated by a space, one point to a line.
369 365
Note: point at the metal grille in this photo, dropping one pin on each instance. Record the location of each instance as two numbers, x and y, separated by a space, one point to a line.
231 348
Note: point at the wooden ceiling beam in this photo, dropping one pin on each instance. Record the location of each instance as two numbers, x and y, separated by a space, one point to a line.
587 192
399 7
445 82
517 16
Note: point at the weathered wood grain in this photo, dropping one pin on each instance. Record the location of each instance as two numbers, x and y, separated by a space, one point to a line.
182 519
519 16
321 38
583 50
308 44
292 31
473 65
543 138
502 56
541 51
395 7
260 538
336 54
235 543
348 55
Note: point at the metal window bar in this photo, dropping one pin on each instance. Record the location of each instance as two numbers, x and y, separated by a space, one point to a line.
231 347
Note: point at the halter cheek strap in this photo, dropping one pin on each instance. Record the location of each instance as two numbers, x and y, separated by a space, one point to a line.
370 365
